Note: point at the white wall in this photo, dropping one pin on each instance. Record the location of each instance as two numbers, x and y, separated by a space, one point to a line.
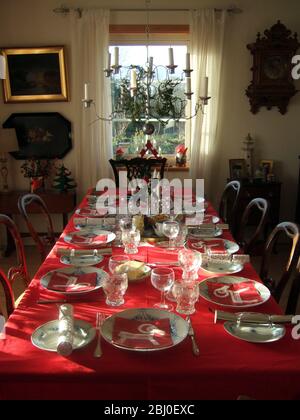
32 23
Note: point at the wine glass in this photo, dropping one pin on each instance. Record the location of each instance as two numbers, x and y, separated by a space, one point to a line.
171 231
116 260
163 279
190 261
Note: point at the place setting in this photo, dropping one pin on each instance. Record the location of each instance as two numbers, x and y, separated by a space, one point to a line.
90 238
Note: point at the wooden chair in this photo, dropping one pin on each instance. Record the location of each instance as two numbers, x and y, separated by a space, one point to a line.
21 269
8 295
228 204
41 242
259 207
138 168
291 231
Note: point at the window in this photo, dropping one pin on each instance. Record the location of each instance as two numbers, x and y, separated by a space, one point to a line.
128 134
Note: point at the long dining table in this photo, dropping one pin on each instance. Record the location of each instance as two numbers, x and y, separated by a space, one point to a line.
225 369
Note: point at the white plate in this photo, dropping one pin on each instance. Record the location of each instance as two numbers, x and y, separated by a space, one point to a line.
227 281
255 333
101 275
87 212
89 234
179 327
231 247
203 233
46 336
82 261
222 267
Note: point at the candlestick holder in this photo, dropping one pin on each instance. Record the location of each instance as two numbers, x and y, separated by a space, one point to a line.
87 103
172 68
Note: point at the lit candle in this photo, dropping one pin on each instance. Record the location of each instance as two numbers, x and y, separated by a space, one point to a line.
86 91
188 88
204 88
171 57
108 60
116 57
188 61
133 84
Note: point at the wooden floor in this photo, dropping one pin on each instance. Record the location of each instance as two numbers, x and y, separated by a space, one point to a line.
33 258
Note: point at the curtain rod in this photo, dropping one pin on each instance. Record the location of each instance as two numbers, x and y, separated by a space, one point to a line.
63 10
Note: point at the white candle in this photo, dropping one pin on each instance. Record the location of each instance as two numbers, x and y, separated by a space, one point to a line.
204 88
86 91
133 84
151 64
116 63
2 67
188 88
171 57
188 61
108 60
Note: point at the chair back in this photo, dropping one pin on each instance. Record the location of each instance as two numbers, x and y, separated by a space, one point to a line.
258 208
21 269
8 295
291 232
229 202
138 168
293 298
32 199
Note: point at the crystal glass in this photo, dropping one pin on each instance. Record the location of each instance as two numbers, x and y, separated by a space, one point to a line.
163 279
125 223
186 295
115 288
181 238
171 231
117 260
131 239
190 261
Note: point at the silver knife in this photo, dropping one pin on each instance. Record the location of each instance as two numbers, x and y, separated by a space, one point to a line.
196 350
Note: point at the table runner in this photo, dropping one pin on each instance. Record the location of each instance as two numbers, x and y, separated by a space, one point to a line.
225 369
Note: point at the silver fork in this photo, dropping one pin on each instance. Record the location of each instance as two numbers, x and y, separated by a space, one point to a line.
99 321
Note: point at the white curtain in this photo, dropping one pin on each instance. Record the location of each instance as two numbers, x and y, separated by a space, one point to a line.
207 41
92 140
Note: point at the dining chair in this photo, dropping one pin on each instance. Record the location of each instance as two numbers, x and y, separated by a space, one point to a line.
42 242
20 270
9 302
246 237
228 204
291 232
294 294
138 168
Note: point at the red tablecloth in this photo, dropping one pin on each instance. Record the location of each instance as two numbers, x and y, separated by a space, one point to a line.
225 369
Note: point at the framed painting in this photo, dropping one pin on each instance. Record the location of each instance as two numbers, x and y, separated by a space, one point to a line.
267 166
35 75
41 135
237 168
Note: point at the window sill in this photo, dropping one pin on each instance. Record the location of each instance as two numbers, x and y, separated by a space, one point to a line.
174 168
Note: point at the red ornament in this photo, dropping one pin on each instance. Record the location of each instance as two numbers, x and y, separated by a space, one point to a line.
149 146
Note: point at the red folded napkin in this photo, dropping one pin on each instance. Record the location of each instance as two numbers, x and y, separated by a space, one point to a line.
208 219
89 212
71 283
142 334
78 239
216 246
234 294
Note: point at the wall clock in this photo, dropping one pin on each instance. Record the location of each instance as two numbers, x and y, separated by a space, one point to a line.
272 84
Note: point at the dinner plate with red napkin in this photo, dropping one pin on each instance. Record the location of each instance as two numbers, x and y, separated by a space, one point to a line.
72 280
234 292
93 237
213 246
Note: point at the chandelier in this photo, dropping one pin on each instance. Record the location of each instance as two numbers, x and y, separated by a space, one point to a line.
152 92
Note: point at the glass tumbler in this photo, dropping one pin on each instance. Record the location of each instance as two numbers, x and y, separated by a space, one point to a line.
186 295
115 288
131 240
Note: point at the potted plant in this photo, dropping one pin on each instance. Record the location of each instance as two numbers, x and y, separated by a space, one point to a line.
37 171
119 153
181 155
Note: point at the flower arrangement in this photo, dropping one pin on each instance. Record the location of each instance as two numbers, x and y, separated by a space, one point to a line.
119 153
181 155
36 170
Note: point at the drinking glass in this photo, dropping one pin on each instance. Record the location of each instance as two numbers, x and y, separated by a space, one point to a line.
117 260
115 288
186 295
163 279
125 223
190 261
181 238
171 231
131 239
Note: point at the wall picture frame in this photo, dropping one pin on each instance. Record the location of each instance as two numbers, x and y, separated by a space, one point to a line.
237 168
267 166
35 75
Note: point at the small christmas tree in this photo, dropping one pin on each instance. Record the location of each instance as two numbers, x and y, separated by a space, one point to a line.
63 181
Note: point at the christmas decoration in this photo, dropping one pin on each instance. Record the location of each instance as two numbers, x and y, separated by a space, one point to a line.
37 171
248 148
181 155
120 153
63 181
149 147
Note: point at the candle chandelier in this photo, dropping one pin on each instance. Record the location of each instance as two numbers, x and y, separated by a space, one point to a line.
153 92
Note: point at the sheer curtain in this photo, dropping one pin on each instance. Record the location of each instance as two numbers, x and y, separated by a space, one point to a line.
92 140
207 40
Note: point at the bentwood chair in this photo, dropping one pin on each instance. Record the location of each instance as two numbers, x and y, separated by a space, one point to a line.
294 292
258 209
228 204
8 295
42 242
20 271
138 168
291 232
